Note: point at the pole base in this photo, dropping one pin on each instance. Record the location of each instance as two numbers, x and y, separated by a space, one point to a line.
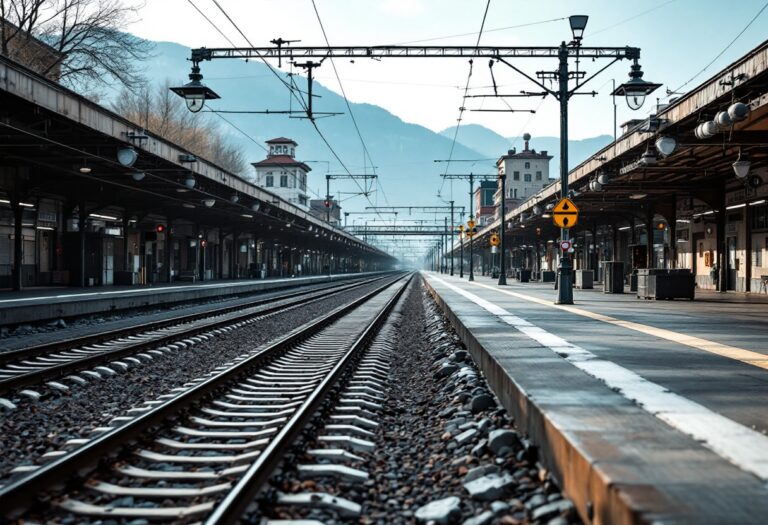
502 280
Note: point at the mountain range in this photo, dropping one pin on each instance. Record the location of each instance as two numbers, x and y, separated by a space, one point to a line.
404 153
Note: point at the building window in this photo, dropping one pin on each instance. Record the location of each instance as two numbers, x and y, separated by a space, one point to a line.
527 177
757 254
527 165
515 193
283 181
538 175
760 217
516 175
270 181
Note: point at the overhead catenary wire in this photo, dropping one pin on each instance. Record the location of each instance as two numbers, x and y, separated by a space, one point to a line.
292 90
366 153
726 48
464 98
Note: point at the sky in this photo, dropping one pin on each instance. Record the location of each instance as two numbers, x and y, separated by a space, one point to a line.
678 39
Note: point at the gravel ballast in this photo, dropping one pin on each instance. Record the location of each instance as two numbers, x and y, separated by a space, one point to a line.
35 427
445 453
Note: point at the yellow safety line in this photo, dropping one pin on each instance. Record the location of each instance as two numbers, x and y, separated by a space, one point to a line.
732 352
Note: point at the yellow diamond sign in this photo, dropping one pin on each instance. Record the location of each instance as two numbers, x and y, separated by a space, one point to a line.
565 214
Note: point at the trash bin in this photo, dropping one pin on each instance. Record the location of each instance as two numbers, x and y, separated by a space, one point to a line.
613 277
585 279
657 283
547 277
524 276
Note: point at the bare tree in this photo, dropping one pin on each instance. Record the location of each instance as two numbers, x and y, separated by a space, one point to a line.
166 115
82 43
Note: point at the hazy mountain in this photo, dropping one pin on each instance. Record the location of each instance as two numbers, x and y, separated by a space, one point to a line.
403 152
491 144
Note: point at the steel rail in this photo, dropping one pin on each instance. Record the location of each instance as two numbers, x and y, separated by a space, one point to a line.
57 346
231 508
20 494
60 370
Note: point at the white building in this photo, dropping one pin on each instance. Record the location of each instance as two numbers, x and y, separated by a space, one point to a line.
281 174
527 172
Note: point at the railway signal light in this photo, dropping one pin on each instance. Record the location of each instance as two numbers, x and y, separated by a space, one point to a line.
160 228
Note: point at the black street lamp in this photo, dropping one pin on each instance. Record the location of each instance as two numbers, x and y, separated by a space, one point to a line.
635 89
502 223
195 93
461 250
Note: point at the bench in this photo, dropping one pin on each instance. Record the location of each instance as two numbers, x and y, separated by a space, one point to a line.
188 275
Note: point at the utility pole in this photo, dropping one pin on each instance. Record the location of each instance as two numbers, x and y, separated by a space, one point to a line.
471 178
452 223
502 230
461 248
329 197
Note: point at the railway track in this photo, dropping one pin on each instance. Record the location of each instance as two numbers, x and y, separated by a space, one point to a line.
52 361
204 451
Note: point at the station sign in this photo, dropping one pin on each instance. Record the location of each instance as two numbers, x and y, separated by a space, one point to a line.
565 214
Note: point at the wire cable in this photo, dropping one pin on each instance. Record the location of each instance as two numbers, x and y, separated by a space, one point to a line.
721 53
463 100
346 100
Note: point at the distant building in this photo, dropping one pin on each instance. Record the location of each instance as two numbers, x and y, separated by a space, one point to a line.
527 173
485 206
282 174
318 208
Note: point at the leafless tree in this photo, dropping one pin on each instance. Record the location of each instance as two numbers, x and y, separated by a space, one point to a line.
165 114
81 43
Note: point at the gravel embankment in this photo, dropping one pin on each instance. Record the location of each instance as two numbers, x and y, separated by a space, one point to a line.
35 428
445 451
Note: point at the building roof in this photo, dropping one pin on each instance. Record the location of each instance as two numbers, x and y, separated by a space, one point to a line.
525 154
282 140
283 161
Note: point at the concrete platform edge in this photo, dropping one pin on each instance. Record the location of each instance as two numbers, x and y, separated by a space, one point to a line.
36 312
577 474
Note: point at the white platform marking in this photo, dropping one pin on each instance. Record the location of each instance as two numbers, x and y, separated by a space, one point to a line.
742 446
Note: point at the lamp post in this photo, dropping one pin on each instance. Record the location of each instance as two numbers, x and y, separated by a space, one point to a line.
451 238
471 235
502 222
461 250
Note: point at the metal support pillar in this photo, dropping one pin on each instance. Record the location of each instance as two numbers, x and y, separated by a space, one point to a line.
722 256
502 231
18 245
565 270
168 249
748 248
471 236
451 237
445 244
81 218
649 239
126 259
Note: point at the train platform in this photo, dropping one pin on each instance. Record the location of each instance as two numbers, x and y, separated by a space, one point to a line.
36 305
646 411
